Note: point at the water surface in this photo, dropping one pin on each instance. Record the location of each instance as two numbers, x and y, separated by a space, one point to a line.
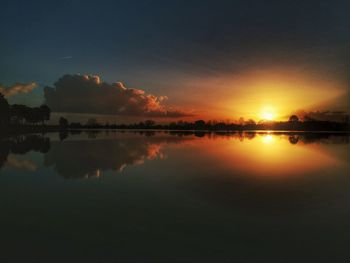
175 197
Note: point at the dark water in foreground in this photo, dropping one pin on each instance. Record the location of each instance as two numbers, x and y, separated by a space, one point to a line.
175 197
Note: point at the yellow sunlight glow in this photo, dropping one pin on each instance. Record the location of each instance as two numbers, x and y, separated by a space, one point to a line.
267 139
268 113
268 154
270 94
267 116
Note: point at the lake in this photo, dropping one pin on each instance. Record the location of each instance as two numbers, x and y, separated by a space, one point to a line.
143 196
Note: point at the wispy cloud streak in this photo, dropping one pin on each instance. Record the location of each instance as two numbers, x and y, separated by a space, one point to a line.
17 89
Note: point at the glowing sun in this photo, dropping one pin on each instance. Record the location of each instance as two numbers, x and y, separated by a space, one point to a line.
268 113
269 116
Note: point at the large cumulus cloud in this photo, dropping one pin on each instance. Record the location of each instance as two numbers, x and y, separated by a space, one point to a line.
17 88
88 94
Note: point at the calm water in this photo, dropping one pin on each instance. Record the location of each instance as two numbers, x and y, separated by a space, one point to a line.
175 197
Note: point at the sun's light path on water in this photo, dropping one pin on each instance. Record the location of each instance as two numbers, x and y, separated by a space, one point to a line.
268 139
267 154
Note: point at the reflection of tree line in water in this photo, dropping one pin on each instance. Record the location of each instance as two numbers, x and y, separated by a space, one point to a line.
293 137
88 158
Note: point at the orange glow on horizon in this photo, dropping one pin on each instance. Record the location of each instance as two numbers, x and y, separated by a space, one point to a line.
268 113
269 94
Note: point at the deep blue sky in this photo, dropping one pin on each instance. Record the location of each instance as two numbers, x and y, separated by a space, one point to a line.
155 45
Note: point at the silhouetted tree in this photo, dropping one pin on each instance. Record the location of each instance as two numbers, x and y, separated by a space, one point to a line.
293 118
45 113
63 134
293 139
76 125
199 124
241 121
24 144
4 152
149 123
63 122
21 114
4 111
18 113
199 134
33 115
91 122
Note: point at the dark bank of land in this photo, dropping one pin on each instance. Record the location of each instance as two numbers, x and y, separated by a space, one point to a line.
11 129
307 126
293 124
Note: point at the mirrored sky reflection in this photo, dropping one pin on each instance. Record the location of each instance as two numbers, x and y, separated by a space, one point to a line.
91 154
215 197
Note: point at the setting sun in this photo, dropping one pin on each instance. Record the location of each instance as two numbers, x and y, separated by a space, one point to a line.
267 116
268 113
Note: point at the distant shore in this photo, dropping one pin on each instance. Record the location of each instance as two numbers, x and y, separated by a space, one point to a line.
318 127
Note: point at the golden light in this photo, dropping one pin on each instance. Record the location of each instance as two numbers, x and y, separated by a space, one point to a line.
270 94
267 139
267 116
268 113
267 154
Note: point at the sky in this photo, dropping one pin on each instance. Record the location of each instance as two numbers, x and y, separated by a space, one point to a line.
177 59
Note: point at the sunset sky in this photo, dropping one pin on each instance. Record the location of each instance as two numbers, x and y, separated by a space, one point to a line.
182 59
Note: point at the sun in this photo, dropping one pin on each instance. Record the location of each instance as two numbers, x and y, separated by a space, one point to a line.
269 116
268 113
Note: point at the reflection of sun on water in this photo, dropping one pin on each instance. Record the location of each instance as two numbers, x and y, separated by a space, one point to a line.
267 139
268 154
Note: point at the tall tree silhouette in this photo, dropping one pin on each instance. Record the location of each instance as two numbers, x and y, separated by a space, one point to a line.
45 113
293 118
4 152
63 122
4 111
18 113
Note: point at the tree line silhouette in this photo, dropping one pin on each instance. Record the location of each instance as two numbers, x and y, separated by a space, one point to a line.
293 124
21 114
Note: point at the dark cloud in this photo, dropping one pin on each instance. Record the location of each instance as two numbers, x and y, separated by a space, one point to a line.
17 88
88 94
337 116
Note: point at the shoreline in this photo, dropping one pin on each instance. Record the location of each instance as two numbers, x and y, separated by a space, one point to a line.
24 130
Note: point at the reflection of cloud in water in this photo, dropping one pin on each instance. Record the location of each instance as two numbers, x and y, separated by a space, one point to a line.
90 158
20 145
19 164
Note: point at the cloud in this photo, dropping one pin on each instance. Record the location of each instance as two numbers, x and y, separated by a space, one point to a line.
24 165
336 116
17 88
66 57
89 94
